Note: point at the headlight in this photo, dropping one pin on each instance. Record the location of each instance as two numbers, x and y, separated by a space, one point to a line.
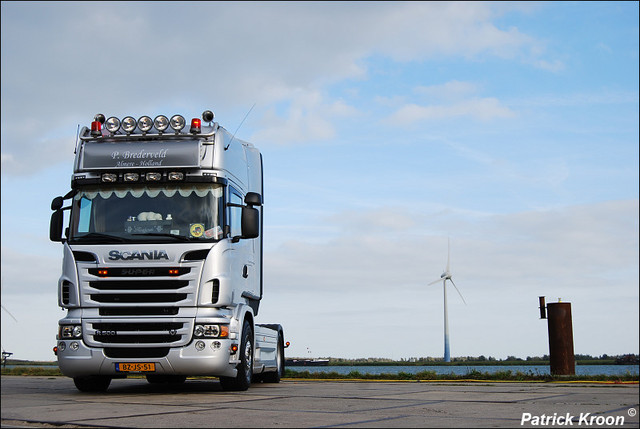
211 331
198 331
70 331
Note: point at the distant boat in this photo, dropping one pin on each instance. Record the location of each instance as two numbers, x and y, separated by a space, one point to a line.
307 362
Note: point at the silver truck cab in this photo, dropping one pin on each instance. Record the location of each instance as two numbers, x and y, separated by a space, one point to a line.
162 257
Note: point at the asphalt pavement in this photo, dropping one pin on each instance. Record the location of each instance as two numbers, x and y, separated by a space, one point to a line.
55 402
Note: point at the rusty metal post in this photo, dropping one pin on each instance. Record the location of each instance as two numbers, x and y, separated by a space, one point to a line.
561 357
543 308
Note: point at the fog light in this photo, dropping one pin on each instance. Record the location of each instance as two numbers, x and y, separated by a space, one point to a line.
131 177
109 177
153 177
128 124
61 346
199 345
74 345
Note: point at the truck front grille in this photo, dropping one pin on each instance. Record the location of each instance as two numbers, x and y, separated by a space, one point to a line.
140 287
137 332
138 297
140 307
139 284
129 353
138 311
136 339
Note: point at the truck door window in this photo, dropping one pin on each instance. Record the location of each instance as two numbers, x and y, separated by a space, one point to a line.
235 213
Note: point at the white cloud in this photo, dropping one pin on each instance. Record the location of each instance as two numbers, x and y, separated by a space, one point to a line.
483 109
64 62
308 117
452 90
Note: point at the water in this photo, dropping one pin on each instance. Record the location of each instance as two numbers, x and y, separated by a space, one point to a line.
462 370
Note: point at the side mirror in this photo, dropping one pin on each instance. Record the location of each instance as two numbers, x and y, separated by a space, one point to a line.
253 199
57 202
250 222
55 227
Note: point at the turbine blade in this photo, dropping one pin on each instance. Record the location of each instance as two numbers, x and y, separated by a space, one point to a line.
9 313
434 282
454 285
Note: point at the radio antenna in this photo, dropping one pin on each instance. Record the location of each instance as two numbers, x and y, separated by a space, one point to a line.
241 122
75 149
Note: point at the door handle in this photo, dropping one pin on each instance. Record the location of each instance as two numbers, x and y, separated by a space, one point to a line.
245 271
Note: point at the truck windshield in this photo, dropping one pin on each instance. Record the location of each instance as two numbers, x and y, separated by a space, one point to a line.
147 213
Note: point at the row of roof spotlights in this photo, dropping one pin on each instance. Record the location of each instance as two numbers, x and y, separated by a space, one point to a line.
145 124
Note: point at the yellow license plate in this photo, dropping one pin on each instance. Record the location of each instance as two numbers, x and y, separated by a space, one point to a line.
136 367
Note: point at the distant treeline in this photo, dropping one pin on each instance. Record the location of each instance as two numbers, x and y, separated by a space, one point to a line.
628 359
474 375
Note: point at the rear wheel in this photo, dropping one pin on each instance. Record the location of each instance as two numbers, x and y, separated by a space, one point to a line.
274 377
242 380
92 383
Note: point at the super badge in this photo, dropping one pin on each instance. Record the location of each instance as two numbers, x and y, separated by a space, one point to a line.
196 230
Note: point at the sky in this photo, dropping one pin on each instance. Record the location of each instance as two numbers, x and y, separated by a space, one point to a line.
387 130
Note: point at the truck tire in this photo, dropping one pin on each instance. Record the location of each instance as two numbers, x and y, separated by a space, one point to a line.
274 377
166 379
93 383
242 380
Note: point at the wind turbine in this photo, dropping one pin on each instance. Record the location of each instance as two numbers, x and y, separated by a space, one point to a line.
444 277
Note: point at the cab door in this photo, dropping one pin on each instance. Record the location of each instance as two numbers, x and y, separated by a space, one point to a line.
243 263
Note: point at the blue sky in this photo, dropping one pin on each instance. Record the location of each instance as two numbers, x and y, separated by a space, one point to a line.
386 127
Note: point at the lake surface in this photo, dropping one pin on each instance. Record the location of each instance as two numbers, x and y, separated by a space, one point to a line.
461 370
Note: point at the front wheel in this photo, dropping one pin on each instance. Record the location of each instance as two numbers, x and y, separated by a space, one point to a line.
93 383
242 380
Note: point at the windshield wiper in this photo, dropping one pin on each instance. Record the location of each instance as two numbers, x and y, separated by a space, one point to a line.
100 236
164 234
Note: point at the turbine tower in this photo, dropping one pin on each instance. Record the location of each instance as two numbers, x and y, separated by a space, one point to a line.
446 275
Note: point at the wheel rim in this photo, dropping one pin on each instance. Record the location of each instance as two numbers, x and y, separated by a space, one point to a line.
248 354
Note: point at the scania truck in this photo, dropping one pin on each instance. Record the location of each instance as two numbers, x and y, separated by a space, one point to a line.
162 270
